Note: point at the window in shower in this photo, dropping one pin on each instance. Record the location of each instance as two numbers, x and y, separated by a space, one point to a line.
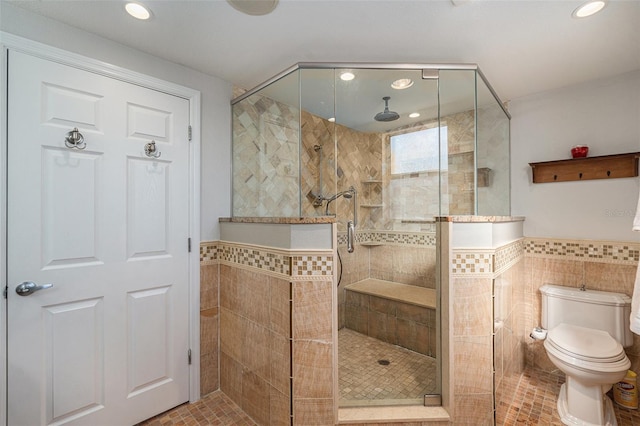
417 152
417 159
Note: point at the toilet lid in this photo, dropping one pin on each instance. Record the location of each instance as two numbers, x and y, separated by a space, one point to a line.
585 343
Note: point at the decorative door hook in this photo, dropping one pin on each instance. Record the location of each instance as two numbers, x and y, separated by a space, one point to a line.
151 151
74 139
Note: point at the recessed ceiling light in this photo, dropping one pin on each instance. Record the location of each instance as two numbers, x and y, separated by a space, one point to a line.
589 8
403 83
414 115
254 7
138 11
347 76
331 119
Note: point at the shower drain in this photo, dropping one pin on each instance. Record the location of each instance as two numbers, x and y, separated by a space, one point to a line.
384 362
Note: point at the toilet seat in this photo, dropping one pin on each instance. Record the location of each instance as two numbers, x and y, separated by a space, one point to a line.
586 348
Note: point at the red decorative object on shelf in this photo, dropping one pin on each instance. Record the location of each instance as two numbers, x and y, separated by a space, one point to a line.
579 151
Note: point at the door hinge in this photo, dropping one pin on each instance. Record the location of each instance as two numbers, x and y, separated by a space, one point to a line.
189 244
190 132
189 356
6 291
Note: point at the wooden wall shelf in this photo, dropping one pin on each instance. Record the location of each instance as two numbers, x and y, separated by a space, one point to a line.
588 168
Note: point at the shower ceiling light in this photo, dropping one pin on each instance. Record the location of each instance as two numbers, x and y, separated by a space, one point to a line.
589 8
403 83
138 11
347 76
414 115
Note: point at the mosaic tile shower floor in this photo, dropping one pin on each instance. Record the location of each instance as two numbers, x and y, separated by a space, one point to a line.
534 402
362 379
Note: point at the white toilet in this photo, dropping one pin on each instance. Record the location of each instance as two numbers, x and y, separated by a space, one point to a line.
587 331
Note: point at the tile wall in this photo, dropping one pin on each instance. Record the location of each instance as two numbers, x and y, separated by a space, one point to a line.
600 265
281 302
209 318
477 278
403 324
254 275
402 257
266 135
266 138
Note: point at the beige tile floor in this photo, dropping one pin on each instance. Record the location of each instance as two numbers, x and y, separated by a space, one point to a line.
214 409
534 402
528 400
363 380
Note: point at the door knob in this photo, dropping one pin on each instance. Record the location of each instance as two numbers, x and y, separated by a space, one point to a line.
28 287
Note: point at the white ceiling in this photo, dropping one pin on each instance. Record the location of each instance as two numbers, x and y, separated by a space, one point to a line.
522 46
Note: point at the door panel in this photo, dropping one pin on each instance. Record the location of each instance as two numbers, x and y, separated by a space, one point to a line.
66 106
70 236
74 358
149 123
108 227
148 198
148 332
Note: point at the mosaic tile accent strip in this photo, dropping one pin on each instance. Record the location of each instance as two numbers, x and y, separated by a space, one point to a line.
208 252
256 258
312 265
593 251
308 266
506 256
390 237
475 263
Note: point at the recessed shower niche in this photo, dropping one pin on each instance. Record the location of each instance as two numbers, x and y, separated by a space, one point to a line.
372 154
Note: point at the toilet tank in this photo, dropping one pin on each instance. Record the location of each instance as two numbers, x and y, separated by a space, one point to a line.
600 310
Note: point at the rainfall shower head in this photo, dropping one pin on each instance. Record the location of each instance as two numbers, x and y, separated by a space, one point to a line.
386 115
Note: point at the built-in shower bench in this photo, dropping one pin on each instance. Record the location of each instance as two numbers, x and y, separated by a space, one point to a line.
405 293
400 314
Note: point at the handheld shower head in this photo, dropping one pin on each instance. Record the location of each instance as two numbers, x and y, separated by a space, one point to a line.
349 193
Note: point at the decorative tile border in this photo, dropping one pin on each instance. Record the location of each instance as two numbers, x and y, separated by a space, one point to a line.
311 265
506 256
625 253
391 237
486 262
254 257
476 263
208 252
293 265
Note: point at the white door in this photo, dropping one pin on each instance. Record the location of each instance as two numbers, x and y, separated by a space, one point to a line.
107 225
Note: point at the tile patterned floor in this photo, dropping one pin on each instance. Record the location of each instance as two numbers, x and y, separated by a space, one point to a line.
214 409
528 400
362 379
534 402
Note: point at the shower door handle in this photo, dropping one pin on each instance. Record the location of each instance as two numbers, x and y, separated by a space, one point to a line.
351 232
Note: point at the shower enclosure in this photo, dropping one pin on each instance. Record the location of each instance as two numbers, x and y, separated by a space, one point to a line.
386 149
